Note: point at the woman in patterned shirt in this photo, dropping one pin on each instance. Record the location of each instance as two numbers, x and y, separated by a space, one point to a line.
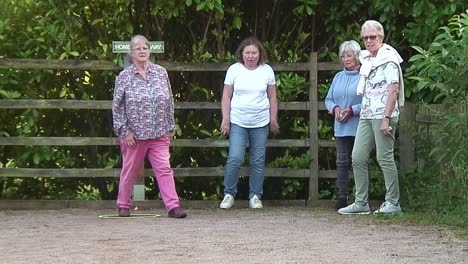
381 87
143 115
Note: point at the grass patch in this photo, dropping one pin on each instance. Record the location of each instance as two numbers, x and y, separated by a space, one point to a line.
456 221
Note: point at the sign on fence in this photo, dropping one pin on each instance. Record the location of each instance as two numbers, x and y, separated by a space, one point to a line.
124 46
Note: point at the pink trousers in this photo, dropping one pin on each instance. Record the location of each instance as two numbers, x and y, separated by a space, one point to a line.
133 160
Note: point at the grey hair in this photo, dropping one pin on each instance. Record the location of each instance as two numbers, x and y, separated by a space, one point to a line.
138 39
134 41
351 47
374 25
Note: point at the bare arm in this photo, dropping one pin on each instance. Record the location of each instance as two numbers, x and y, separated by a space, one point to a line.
226 109
393 91
271 92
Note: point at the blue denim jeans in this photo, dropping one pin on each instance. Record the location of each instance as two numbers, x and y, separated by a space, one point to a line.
238 139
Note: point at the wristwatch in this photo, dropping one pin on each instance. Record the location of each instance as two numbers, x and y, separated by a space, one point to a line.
387 117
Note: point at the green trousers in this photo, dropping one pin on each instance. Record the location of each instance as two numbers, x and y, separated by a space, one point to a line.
368 135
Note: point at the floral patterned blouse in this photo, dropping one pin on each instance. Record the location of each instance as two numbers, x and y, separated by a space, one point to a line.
143 106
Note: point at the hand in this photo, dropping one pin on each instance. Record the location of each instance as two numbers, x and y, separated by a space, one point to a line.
225 127
337 112
385 127
130 139
345 115
171 133
274 127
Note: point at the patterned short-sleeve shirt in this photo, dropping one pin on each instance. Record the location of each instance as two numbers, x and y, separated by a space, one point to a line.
143 106
376 90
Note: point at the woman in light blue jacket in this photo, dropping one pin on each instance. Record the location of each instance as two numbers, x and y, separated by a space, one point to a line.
344 104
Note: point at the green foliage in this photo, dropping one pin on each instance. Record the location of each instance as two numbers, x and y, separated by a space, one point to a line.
196 31
291 87
428 16
440 181
440 73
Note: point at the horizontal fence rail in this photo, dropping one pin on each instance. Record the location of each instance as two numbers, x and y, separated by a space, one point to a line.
106 104
410 115
312 173
108 141
179 172
46 64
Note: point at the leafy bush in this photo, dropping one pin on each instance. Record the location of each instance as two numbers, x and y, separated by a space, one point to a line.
440 73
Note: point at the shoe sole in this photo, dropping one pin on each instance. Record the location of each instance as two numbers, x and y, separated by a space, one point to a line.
358 213
178 216
382 213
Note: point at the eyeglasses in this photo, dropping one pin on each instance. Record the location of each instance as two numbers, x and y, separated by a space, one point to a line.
141 49
367 38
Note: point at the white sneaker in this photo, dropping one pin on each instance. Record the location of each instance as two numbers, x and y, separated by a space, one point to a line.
227 202
255 202
355 208
388 208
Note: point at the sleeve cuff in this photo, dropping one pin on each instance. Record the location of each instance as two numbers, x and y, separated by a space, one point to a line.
333 110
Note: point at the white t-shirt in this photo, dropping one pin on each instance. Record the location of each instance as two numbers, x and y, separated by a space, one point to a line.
376 91
250 106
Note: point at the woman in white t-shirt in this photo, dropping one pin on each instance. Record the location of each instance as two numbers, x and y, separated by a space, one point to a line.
249 107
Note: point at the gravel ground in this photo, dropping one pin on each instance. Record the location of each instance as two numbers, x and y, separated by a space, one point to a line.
270 235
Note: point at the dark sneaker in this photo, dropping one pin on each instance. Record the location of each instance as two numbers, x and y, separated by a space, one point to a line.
124 212
177 213
341 203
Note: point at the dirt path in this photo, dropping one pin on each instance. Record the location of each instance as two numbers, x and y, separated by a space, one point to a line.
271 235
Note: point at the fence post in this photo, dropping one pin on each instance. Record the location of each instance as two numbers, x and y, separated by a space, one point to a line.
313 126
407 126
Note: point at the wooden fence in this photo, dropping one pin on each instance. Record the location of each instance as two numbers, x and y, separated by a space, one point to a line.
313 106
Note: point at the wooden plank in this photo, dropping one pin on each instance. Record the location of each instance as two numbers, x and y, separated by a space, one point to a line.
70 64
144 205
331 174
34 204
48 64
109 141
55 104
58 141
326 143
428 113
58 173
406 144
153 204
329 66
114 173
313 127
107 104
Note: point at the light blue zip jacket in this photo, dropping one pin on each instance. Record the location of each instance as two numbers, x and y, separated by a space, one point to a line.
342 93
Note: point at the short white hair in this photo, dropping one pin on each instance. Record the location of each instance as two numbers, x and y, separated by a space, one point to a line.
373 25
351 47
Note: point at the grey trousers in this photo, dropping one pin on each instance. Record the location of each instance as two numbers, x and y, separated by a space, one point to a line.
344 147
368 135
